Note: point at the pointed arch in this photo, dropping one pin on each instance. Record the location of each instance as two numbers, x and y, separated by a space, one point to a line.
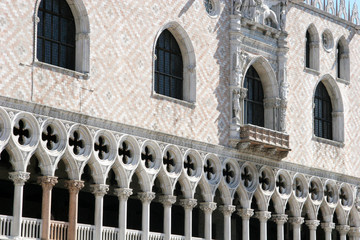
312 48
342 59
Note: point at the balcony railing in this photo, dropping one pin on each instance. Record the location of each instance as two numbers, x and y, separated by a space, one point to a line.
58 230
5 225
263 141
30 228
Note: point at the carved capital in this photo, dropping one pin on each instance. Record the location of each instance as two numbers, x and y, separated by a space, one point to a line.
263 216
146 197
328 226
19 178
271 102
74 186
191 68
188 203
208 207
343 229
123 193
82 36
245 213
227 210
47 182
167 200
99 189
280 218
243 93
296 220
354 232
312 224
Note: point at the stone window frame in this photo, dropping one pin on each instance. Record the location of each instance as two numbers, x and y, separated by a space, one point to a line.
314 56
82 40
189 64
344 58
333 90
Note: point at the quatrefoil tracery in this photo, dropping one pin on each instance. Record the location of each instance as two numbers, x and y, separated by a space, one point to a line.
314 191
329 194
281 184
189 166
169 162
76 142
101 147
228 173
21 131
247 177
49 137
264 180
147 157
344 197
125 152
209 169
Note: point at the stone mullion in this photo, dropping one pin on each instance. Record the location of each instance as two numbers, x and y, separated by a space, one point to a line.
227 210
312 225
263 217
343 230
208 208
280 220
123 195
328 227
146 198
99 190
167 201
188 205
296 222
245 215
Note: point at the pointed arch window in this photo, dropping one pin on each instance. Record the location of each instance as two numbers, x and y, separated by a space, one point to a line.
312 48
307 50
342 60
254 101
56 34
168 66
322 113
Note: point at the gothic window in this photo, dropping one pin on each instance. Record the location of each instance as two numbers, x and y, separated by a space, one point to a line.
342 60
253 103
312 48
307 51
168 66
322 113
339 51
56 34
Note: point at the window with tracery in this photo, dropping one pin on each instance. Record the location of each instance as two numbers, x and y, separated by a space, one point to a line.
168 66
254 101
56 34
322 113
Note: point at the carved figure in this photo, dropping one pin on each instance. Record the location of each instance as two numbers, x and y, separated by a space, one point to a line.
357 200
248 9
267 13
236 106
237 7
239 59
283 20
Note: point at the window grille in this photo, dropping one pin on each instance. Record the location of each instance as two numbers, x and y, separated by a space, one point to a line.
322 113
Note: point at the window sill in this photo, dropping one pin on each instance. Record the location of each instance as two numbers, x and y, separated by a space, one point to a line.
327 141
191 105
311 71
65 71
344 81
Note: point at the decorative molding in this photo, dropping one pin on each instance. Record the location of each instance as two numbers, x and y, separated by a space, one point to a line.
74 186
123 193
19 178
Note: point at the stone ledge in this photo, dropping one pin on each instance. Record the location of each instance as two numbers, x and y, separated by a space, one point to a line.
65 71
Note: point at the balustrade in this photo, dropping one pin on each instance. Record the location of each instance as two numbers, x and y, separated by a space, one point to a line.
31 228
84 231
5 225
58 230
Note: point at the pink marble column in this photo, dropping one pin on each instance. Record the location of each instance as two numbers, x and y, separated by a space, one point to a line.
47 183
74 187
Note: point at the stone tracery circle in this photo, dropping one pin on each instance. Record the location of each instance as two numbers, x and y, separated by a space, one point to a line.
150 156
5 127
212 169
231 173
104 146
249 177
79 142
172 160
25 131
192 164
283 183
128 152
53 136
316 192
300 186
266 179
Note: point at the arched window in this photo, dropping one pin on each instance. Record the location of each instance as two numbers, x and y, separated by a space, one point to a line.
312 48
342 60
56 34
168 66
322 113
254 101
307 50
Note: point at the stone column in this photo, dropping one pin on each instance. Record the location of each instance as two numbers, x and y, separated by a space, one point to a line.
208 208
343 230
245 214
328 227
74 187
280 219
312 224
354 233
188 205
227 210
123 194
296 222
146 198
99 190
167 201
263 217
47 183
19 179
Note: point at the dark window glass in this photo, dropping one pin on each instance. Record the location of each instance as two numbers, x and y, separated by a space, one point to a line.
168 66
254 105
56 34
339 51
322 113
307 50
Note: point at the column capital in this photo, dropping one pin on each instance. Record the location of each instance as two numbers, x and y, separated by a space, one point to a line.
312 224
146 197
19 178
167 200
328 226
208 207
227 210
343 229
263 216
74 186
47 182
99 189
354 232
123 193
245 213
296 220
280 218
188 203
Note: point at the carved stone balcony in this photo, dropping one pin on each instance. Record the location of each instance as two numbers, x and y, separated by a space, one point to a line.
263 141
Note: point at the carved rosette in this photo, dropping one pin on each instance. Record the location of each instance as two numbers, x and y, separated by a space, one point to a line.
312 224
245 213
328 226
146 197
263 216
227 210
208 207
343 229
47 182
296 220
74 186
19 178
123 193
167 200
188 203
99 190
280 218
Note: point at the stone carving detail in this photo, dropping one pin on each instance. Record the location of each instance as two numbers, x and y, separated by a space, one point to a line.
280 218
239 61
236 106
167 200
283 19
227 209
342 10
263 215
47 182
330 6
123 193
237 7
74 186
19 178
245 213
266 15
357 199
312 224
208 207
296 220
146 196
99 189
188 203
355 14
